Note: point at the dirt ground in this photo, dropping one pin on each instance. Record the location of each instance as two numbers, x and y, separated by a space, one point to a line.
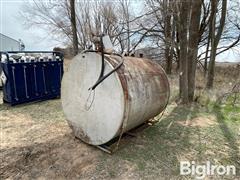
36 143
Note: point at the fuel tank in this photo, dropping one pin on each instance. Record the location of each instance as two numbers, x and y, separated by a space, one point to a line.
133 94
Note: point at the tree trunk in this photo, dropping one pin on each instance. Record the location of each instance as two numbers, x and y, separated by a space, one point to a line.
74 27
183 41
167 34
193 46
173 29
206 57
176 28
215 38
212 27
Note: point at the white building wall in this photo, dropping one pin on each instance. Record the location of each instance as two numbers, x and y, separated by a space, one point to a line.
8 44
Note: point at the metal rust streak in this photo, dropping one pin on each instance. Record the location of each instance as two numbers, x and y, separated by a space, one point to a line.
142 71
114 61
145 66
121 73
146 86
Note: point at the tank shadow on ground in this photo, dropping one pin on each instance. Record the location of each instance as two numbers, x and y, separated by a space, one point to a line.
156 150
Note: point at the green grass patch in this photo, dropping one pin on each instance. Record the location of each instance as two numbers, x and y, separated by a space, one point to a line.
158 150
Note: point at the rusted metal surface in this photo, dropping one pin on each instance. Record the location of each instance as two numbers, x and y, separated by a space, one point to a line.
146 89
135 93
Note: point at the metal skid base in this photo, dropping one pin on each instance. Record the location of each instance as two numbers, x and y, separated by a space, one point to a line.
111 146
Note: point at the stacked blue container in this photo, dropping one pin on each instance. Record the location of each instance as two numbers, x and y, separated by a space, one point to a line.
27 79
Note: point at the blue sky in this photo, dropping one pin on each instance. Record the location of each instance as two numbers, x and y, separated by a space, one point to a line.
11 24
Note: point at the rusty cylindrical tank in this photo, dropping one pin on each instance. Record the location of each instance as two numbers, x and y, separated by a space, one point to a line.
136 92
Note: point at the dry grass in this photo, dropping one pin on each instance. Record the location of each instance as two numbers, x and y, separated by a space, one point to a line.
226 76
37 142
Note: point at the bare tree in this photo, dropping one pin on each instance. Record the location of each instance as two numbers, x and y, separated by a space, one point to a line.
163 31
168 33
215 38
184 7
194 38
74 27
57 18
184 31
230 35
